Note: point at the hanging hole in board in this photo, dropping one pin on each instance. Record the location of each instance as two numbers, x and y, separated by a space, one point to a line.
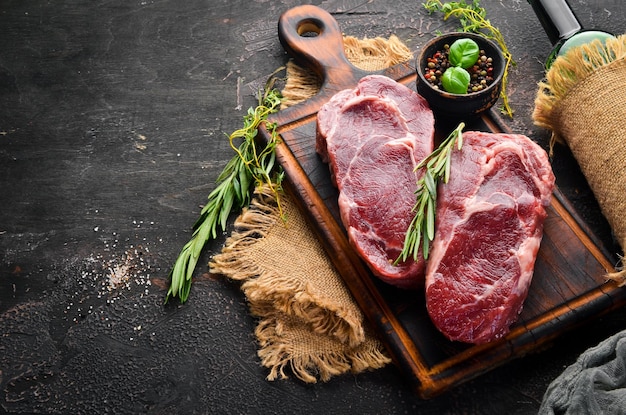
309 28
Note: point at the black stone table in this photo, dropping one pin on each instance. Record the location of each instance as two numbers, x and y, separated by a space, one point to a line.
113 116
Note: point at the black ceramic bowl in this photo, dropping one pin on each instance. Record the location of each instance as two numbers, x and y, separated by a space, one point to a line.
460 106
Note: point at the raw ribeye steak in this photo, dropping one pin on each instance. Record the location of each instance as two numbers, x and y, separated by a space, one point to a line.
489 226
373 136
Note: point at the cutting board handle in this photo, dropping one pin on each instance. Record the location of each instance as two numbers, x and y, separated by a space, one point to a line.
312 37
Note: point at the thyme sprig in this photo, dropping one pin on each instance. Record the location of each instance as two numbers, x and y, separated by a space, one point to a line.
421 230
252 164
473 18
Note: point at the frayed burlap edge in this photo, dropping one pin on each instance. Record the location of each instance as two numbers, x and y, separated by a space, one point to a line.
566 77
341 343
330 360
366 54
566 73
619 275
268 292
276 300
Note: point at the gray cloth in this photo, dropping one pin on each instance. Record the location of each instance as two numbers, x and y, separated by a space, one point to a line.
595 384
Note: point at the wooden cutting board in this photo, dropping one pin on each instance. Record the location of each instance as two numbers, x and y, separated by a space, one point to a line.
568 287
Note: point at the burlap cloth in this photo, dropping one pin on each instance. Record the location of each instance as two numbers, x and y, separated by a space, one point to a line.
583 102
307 320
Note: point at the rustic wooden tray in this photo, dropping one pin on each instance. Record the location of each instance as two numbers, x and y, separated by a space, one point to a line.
568 287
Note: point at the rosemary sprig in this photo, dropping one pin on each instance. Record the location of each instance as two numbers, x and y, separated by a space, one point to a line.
421 231
250 165
473 18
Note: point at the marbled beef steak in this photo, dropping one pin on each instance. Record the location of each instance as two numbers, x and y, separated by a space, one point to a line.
489 226
373 136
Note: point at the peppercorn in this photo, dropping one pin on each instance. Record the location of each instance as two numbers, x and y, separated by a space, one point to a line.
481 73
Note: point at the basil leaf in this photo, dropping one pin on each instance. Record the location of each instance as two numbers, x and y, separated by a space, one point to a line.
464 53
455 80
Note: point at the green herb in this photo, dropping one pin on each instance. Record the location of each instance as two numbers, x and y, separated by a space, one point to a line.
251 165
473 18
421 231
455 80
464 53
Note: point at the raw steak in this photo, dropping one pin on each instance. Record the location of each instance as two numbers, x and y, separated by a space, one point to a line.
373 136
489 226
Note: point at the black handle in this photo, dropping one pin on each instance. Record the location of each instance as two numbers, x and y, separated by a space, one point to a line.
557 18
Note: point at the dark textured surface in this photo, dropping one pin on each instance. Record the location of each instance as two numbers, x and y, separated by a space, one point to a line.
112 122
